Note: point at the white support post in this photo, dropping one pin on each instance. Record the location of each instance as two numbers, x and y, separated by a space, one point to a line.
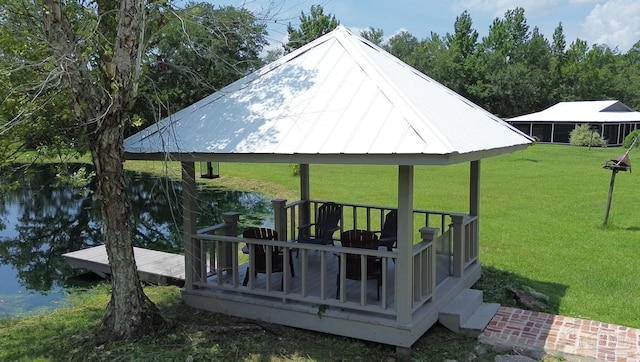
280 218
474 188
404 264
192 249
474 201
458 245
227 258
305 213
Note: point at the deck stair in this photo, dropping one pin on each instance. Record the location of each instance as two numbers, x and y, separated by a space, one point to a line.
467 314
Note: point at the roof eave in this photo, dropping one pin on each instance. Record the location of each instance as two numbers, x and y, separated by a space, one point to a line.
362 159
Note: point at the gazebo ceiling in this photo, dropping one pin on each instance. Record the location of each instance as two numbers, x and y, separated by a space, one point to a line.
338 99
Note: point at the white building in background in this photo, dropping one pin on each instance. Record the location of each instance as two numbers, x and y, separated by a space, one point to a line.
612 119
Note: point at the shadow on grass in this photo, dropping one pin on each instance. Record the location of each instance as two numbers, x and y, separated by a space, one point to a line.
525 159
499 286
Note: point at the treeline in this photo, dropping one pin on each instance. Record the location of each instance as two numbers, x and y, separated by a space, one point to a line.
515 70
193 51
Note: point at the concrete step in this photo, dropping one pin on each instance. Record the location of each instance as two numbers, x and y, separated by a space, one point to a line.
479 320
460 309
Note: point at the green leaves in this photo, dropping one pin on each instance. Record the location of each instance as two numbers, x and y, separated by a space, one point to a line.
312 26
194 52
515 70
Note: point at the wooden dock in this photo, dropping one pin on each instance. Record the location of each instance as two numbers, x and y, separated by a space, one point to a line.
155 267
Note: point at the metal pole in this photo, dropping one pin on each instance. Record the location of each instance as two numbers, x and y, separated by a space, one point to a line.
613 180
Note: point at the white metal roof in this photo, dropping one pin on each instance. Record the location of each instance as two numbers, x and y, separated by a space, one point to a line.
338 99
583 112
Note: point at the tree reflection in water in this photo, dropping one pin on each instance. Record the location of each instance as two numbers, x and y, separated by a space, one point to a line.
42 221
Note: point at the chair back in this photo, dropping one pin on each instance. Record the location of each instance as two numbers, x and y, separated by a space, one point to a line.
260 233
260 251
362 239
390 227
328 218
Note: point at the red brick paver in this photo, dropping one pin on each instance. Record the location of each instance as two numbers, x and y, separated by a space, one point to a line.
560 335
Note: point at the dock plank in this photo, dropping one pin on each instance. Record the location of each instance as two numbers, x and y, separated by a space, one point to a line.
153 266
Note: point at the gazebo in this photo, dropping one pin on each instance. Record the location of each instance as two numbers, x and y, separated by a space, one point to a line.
337 100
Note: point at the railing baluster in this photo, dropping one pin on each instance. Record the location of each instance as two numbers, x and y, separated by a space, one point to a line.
304 272
323 275
363 280
355 217
383 298
343 277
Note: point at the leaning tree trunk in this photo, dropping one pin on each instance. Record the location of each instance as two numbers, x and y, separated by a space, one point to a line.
102 102
129 313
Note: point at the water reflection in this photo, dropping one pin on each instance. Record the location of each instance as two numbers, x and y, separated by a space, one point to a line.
39 222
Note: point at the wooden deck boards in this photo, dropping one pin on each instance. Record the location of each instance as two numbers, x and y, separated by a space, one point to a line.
153 266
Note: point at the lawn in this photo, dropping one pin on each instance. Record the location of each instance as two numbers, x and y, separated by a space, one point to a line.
68 334
542 212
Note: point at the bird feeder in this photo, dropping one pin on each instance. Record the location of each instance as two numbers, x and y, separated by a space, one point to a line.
616 164
209 169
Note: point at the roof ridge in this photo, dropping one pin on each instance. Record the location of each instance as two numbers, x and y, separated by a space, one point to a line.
387 88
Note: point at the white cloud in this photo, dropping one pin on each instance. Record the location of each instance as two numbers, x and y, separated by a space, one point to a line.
615 23
581 2
497 8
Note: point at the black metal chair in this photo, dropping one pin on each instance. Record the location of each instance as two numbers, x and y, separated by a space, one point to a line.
260 253
327 223
362 239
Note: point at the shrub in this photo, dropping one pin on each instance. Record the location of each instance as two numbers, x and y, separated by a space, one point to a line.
583 136
630 137
295 169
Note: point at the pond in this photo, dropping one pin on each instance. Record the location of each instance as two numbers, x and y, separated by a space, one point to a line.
43 218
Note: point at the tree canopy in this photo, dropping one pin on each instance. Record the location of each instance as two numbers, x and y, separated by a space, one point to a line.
312 26
200 49
515 70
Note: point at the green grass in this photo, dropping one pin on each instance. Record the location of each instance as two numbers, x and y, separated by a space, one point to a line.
68 334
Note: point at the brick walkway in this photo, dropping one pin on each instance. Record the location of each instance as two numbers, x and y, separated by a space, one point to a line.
573 338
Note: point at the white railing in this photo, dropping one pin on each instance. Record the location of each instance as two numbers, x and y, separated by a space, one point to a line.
313 276
465 242
424 267
354 216
217 259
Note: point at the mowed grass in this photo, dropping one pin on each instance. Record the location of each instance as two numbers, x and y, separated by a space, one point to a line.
542 212
69 334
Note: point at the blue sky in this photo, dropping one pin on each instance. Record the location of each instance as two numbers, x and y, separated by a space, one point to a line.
612 22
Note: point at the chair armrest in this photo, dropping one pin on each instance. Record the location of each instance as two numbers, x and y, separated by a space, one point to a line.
388 242
333 229
327 235
305 226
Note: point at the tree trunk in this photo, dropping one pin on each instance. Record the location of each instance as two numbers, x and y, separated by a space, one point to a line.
130 313
102 102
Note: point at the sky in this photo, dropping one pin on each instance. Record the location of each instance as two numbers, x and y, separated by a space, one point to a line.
615 23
